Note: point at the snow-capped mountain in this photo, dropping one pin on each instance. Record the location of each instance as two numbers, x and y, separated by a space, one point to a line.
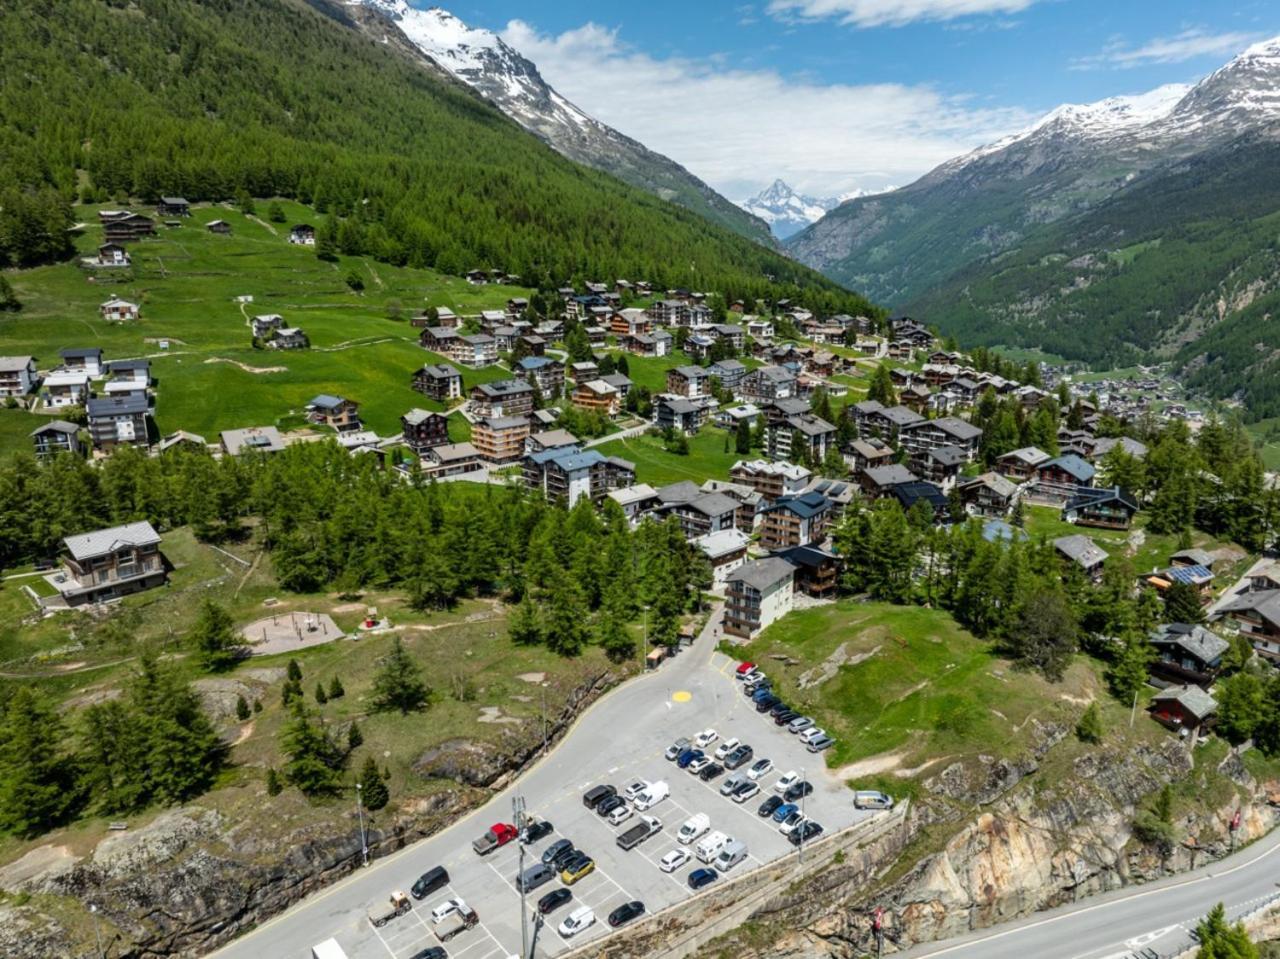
485 62
786 211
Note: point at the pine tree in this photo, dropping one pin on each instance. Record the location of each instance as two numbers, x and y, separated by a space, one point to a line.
242 708
881 388
1128 673
1241 706
525 624
293 670
314 762
335 688
215 638
742 438
1220 940
374 792
1090 729
38 787
399 684
275 212
273 782
355 738
321 696
1182 604
8 299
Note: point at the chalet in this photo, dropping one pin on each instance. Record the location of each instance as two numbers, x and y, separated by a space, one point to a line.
920 436
475 351
596 335
288 338
760 329
544 372
1183 708
1256 615
1193 557
887 423
699 513
116 310
965 390
500 439
438 381
1058 479
126 376
251 439
334 411
767 384
423 429
517 306
579 307
1083 552
118 421
448 319
492 320
112 255
54 437
915 397
502 398
1126 444
552 329
630 322
758 594
725 550
264 324
620 382
438 339
729 417
533 344
506 337
1112 508
900 350
910 331
569 475
910 494
814 434
771 480
109 563
556 439
796 520
18 374
688 381
728 372
476 277
1187 654
544 419
451 459
63 388
940 465
864 454
817 570
221 227
1021 464
173 206
121 226
698 346
879 481
750 501
302 234
680 414
584 370
598 395
901 378
989 494
637 501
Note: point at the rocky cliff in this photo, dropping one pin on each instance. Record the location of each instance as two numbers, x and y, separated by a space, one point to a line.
193 878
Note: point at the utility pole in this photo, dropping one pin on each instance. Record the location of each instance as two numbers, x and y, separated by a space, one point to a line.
543 689
364 838
1133 713
517 813
97 936
644 650
800 825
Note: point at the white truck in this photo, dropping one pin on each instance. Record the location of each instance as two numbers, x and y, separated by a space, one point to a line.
709 846
646 827
653 794
692 828
329 949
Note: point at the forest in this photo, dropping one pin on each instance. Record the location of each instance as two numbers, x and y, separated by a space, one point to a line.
228 98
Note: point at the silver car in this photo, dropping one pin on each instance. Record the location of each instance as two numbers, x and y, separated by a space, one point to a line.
676 748
799 725
732 783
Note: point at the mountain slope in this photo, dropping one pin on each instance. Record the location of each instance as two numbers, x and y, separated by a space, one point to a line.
786 211
898 245
281 97
483 61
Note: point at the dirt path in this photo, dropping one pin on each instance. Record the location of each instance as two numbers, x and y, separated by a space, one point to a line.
262 223
257 370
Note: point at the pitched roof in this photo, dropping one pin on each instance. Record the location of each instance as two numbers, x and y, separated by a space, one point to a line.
92 352
1031 455
415 416
683 492
712 504
1191 698
1080 549
56 426
14 364
890 475
1095 497
633 494
1205 645
1195 557
994 482
1264 602
763 574
87 545
805 505
127 404
1071 463
722 542
908 494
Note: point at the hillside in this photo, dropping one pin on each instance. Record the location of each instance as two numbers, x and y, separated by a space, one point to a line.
510 81
280 97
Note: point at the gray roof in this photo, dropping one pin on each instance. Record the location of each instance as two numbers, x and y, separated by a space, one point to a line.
504 422
995 482
454 451
1031 455
1201 643
440 371
87 545
763 574
500 388
890 475
952 426
1195 556
121 405
252 439
1264 602
1080 549
947 455
810 425
691 372
56 426
84 353
1191 698
416 416
683 492
713 504
1131 446
15 364
901 416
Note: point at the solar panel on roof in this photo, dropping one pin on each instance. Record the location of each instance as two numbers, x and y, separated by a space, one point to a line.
838 488
1188 574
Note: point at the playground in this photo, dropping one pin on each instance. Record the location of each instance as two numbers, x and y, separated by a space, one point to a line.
288 632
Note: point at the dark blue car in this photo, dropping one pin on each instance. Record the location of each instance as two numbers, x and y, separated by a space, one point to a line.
783 811
701 877
688 756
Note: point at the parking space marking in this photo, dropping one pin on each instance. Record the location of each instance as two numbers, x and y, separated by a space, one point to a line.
390 951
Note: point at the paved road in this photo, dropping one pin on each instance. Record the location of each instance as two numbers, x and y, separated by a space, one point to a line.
626 434
619 740
1157 916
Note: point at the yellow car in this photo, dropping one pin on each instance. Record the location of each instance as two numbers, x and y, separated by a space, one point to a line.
577 869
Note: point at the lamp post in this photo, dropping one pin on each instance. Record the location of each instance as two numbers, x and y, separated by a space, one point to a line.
543 689
364 839
97 936
800 825
517 813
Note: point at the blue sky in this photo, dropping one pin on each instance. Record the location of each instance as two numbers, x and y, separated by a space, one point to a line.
836 95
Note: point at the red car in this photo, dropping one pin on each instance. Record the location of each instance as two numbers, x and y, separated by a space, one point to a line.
499 834
744 669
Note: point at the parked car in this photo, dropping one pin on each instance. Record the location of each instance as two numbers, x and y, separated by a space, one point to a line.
533 877
676 748
872 799
554 900
810 734
760 768
746 791
726 747
535 831
626 912
745 669
688 756
799 724
609 805
794 819
431 952
762 690
769 806
739 757
702 877
698 765
798 791
807 831
577 868
783 811
778 707
447 909
557 852
786 781
732 783
784 717
594 796
673 860
499 834
579 919
619 815
757 682
429 882
766 703
634 790
710 772
706 738
819 744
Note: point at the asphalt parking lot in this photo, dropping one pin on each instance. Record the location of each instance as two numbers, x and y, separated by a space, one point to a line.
619 741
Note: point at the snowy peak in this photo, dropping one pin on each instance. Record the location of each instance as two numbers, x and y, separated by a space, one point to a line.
1115 115
786 211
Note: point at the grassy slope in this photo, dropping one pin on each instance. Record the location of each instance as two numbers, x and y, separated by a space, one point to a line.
655 466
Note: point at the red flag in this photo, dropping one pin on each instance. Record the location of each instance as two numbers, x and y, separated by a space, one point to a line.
1235 821
879 915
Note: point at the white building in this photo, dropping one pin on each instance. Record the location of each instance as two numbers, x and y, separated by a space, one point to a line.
17 375
758 594
726 549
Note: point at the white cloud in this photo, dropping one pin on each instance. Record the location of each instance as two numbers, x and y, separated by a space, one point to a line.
740 128
892 13
1187 45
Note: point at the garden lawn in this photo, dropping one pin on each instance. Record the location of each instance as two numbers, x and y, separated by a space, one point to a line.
707 458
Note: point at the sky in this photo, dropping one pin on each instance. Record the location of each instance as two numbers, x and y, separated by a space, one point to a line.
836 96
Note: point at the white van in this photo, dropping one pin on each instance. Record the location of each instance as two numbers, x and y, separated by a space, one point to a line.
693 827
652 796
734 851
579 919
709 846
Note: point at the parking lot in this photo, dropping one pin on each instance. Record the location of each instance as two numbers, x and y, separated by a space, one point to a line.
621 740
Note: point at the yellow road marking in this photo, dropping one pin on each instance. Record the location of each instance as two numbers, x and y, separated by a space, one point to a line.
681 696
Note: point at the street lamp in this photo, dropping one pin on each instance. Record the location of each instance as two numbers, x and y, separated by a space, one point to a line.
517 813
800 825
364 839
97 937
